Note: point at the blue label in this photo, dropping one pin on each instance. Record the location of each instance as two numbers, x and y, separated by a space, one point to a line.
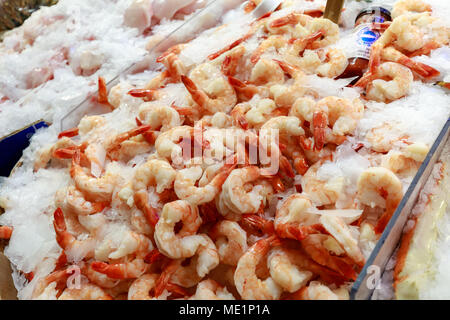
368 36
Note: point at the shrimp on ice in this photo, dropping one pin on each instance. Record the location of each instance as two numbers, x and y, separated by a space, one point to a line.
320 191
185 242
391 81
231 241
340 114
95 189
69 242
186 189
209 89
409 6
318 291
239 195
79 205
326 251
159 117
286 268
249 286
380 187
293 219
128 258
204 260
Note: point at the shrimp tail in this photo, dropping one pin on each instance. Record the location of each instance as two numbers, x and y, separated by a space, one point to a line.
320 123
113 271
197 95
257 222
145 94
150 213
5 232
63 237
69 133
247 91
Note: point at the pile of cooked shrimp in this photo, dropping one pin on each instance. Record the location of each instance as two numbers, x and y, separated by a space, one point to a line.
147 215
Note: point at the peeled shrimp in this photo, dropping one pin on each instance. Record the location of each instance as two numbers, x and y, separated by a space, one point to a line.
159 117
141 287
210 290
86 292
319 191
400 79
380 187
186 242
97 189
69 242
210 89
231 241
249 286
293 220
236 197
285 268
185 188
205 259
340 114
318 291
408 6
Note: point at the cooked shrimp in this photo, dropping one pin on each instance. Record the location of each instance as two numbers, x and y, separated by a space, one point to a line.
44 155
380 187
326 251
209 89
173 64
86 292
318 291
5 232
141 287
293 220
425 71
334 63
321 192
153 172
286 94
340 231
79 205
129 257
340 114
408 6
186 242
236 194
294 24
329 30
231 241
114 143
230 62
397 85
69 242
210 290
167 143
204 260
249 286
159 117
266 73
97 189
285 268
186 189
413 34
275 42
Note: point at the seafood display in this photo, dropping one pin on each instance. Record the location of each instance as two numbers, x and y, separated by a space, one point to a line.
243 167
51 63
